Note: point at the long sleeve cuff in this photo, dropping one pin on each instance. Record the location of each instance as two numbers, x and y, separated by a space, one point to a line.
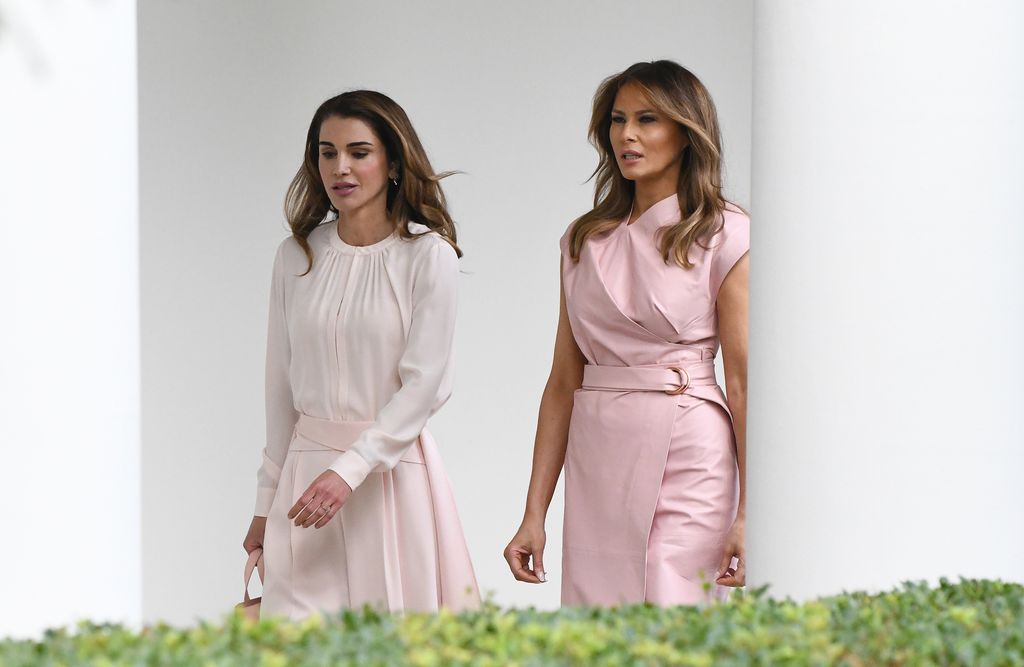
352 467
264 499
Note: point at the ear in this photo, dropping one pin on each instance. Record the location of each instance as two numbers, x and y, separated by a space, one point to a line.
686 140
393 170
685 146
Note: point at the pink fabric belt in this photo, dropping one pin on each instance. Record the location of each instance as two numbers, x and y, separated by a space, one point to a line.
320 434
671 379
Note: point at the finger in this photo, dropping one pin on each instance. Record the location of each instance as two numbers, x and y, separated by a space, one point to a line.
323 521
317 513
521 569
725 562
517 558
306 510
538 564
512 558
297 507
727 580
741 573
300 515
728 577
303 500
317 510
310 514
335 508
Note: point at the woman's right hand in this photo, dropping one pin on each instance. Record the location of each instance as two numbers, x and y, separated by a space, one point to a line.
254 538
528 543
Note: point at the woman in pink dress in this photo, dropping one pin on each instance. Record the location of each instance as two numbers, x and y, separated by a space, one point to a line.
654 283
353 505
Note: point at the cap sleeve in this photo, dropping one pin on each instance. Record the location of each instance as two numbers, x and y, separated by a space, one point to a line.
728 246
563 243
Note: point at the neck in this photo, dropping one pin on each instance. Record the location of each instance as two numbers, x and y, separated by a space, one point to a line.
651 191
365 225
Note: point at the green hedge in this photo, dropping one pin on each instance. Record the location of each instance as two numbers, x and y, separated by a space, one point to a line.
973 622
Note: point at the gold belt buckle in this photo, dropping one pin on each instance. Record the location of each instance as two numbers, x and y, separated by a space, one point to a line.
684 382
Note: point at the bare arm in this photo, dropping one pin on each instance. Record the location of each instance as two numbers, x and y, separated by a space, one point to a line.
733 301
732 305
553 421
548 450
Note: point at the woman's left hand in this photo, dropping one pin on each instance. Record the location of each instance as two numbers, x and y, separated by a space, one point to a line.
321 501
727 574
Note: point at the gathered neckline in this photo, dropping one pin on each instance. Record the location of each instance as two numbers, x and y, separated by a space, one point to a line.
345 248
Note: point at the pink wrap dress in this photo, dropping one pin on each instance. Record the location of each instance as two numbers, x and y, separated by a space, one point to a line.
651 483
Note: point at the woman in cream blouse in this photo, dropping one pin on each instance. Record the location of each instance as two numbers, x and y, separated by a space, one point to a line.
353 504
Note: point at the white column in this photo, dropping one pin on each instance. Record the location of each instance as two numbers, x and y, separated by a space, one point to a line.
69 373
887 294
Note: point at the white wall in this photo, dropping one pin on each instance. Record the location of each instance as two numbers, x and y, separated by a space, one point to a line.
886 306
69 373
501 91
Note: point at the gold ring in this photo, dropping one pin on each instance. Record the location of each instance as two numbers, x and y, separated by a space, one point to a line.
684 381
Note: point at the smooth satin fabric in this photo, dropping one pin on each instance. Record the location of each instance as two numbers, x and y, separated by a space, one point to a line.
358 359
396 545
365 335
650 477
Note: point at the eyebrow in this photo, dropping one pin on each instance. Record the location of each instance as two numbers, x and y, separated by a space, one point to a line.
349 145
637 112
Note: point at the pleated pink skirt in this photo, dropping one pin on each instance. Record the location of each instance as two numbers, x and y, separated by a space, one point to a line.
396 545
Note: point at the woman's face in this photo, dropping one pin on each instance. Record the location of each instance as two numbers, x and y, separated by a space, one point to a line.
648 146
353 165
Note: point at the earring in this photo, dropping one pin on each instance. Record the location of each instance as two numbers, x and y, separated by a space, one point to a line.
395 181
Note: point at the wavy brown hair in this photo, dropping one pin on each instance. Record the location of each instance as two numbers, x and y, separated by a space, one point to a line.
417 197
680 96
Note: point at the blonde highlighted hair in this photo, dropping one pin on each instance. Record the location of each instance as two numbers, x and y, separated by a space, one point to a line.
417 197
678 95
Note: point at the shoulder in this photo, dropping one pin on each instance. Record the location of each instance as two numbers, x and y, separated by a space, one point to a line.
290 257
321 234
289 254
597 228
429 249
289 248
735 219
734 228
566 237
565 240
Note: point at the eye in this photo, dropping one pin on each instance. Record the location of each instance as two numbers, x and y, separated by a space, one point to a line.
359 155
647 118
618 119
328 155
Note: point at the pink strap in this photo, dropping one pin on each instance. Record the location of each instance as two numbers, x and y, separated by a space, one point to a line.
668 378
255 562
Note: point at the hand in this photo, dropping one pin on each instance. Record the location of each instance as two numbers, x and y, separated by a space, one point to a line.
734 546
254 538
529 541
321 501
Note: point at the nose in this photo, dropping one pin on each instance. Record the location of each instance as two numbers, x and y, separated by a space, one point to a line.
341 167
626 131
